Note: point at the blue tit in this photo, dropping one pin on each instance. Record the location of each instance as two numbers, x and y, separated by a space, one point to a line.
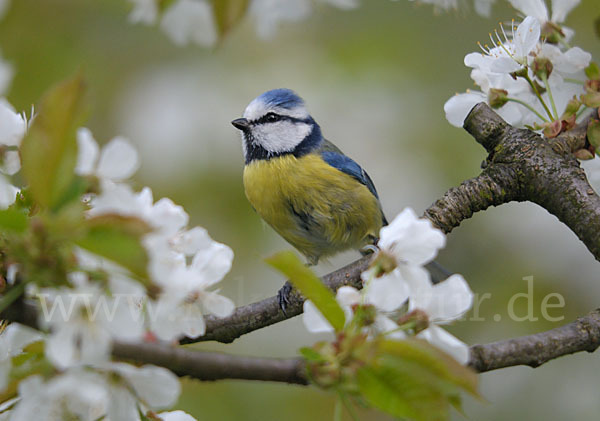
318 199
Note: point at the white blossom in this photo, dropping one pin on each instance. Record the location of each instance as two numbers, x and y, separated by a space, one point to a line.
83 322
185 297
176 416
190 21
155 387
12 341
411 242
78 394
186 293
268 14
410 239
12 130
521 51
12 125
6 72
118 160
112 391
8 193
315 322
443 303
144 11
484 7
538 9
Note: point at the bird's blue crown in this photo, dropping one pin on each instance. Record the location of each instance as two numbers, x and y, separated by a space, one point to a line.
284 98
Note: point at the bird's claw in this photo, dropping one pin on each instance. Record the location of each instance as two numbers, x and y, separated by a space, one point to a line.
283 296
369 249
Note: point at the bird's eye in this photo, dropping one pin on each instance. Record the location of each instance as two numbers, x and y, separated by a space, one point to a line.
271 117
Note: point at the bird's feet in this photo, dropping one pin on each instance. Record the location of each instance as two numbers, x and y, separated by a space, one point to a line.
369 249
283 296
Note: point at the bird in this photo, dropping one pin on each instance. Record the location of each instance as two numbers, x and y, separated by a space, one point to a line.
317 198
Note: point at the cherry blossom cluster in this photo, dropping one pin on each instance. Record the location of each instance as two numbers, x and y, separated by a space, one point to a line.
529 73
399 292
102 301
193 21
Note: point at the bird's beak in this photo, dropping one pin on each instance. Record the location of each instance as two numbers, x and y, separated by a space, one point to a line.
241 123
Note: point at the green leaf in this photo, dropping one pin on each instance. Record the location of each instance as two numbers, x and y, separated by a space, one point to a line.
117 238
310 286
593 134
228 13
592 71
434 360
413 379
74 191
311 355
401 394
591 99
14 220
49 150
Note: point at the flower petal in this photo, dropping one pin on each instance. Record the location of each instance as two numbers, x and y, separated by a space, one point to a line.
450 299
347 296
118 160
190 21
561 8
212 263
12 163
168 217
176 416
156 386
218 305
8 193
411 239
12 125
448 343
387 292
459 106
87 152
314 320
527 36
535 8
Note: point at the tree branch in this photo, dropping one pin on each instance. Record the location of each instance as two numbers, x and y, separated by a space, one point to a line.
534 350
264 313
213 365
493 187
546 171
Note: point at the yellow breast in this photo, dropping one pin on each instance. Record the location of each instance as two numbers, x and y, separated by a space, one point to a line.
314 206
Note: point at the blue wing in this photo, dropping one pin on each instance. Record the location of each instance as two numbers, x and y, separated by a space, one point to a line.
345 164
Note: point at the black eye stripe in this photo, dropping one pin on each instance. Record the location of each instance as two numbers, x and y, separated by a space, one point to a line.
273 117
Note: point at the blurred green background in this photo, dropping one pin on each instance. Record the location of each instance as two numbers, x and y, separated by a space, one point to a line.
376 79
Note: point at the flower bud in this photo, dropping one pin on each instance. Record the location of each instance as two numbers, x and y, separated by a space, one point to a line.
592 71
418 317
542 67
383 263
497 97
591 99
552 33
593 133
572 107
552 129
519 73
583 154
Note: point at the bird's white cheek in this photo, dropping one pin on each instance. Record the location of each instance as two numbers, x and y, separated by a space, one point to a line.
282 136
244 147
